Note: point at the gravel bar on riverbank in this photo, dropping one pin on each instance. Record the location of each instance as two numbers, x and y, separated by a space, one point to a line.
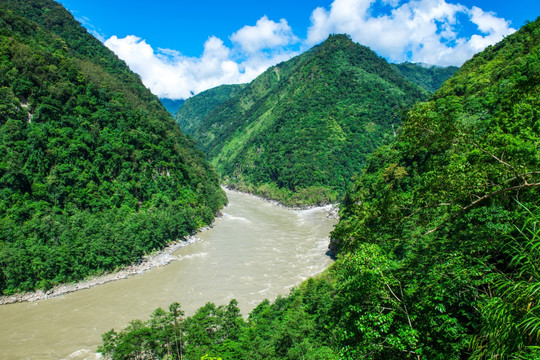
159 258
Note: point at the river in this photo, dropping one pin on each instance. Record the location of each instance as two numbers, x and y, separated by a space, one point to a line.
257 250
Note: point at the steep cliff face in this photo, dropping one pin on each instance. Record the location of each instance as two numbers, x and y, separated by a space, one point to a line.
93 170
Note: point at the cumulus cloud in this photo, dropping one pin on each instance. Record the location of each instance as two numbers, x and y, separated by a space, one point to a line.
494 28
266 34
419 30
427 31
169 74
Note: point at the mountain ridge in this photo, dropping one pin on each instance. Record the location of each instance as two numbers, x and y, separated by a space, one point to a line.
196 108
172 105
331 97
429 77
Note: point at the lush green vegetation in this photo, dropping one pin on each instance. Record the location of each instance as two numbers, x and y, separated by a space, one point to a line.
438 239
196 108
300 130
428 77
93 171
444 200
290 328
171 105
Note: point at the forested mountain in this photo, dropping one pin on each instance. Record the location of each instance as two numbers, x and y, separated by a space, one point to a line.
171 105
93 171
438 240
298 132
448 218
428 77
196 108
191 115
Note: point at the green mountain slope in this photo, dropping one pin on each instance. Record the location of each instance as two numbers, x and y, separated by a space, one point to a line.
93 171
439 239
171 105
428 77
196 108
448 216
301 130
191 115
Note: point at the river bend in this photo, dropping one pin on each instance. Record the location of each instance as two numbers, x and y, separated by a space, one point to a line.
257 250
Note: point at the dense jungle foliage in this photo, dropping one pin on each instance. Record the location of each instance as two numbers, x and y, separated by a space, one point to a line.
438 240
196 108
301 129
93 171
428 77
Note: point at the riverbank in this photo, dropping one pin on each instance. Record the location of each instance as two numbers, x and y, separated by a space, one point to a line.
332 210
255 251
148 262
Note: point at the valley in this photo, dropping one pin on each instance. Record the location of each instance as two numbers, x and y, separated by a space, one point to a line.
435 170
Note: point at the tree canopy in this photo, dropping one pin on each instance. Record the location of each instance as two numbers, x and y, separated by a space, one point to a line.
93 171
438 242
196 108
302 129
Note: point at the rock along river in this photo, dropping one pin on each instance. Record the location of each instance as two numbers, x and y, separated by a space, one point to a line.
257 250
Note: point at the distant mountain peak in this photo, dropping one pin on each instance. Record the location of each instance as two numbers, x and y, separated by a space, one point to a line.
302 129
338 39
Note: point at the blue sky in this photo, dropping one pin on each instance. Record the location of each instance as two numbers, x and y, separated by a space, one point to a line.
180 48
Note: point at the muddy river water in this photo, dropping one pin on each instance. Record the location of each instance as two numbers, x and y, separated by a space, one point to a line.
257 250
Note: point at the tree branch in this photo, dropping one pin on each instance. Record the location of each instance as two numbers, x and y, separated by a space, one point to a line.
479 200
501 161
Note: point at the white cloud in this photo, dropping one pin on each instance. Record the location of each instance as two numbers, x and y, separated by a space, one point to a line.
489 24
393 3
167 73
427 31
266 34
97 35
418 30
